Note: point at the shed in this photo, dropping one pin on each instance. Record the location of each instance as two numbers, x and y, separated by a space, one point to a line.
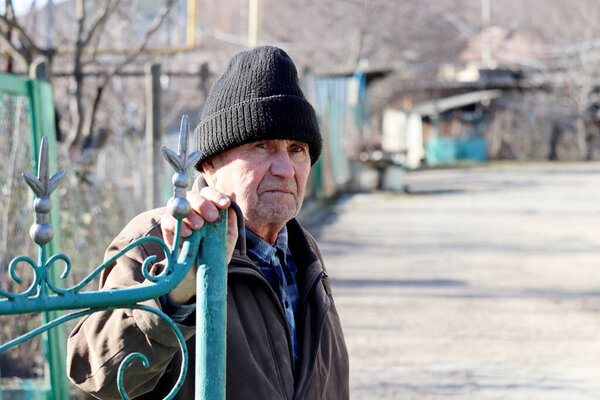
439 131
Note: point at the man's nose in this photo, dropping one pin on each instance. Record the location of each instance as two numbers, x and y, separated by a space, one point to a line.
282 165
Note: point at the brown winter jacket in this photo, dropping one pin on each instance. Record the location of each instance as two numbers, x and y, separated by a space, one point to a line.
259 353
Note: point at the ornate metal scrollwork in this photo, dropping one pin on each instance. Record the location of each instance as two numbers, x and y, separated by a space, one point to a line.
44 295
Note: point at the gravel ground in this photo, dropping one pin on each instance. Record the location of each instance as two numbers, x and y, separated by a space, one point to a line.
480 283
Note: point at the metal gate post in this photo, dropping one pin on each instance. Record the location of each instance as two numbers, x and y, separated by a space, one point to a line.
211 279
211 313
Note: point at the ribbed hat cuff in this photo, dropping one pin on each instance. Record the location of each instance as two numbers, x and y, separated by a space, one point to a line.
276 117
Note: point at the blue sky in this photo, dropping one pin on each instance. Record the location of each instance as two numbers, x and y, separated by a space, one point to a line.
22 6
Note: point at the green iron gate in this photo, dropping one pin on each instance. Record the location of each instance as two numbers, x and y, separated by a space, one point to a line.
205 248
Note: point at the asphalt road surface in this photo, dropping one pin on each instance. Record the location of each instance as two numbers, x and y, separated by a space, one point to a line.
480 283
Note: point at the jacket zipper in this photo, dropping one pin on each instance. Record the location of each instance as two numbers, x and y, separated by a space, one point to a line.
325 276
313 351
313 283
311 287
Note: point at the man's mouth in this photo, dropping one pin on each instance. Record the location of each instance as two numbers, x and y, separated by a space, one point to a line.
279 191
278 188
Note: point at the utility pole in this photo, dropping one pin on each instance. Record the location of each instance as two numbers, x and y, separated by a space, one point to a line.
153 136
50 24
254 22
486 39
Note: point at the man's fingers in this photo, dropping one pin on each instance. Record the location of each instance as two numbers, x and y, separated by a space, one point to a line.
168 238
193 220
219 199
199 183
207 193
185 230
205 205
232 232
232 228
167 227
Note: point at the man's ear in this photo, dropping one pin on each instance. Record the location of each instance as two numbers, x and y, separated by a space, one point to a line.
208 165
209 170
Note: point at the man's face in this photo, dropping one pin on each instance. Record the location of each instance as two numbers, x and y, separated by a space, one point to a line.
267 179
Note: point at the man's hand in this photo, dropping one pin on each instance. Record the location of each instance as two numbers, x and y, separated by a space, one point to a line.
205 203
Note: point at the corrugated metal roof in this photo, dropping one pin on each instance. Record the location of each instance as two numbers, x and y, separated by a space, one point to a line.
448 103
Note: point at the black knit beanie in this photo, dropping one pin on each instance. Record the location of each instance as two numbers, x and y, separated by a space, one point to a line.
258 97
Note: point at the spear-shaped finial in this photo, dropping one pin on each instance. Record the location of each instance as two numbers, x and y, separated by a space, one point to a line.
41 231
181 162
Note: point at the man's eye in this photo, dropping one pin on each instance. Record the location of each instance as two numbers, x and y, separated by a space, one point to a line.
298 149
261 145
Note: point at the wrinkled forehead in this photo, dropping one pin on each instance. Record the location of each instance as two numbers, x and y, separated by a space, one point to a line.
243 151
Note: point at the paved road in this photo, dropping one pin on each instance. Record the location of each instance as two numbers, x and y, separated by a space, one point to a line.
478 284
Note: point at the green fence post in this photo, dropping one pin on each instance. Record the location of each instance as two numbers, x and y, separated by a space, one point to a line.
41 104
43 124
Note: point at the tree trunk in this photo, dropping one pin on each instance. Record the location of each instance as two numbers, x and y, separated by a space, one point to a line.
90 116
582 147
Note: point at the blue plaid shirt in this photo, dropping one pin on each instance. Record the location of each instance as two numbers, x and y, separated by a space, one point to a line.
277 265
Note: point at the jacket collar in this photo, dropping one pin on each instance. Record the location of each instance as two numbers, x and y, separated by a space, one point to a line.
303 250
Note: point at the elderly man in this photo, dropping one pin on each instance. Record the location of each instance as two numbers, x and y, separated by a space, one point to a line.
259 138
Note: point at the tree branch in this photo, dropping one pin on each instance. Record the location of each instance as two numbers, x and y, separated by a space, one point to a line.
109 7
27 41
76 104
156 23
13 51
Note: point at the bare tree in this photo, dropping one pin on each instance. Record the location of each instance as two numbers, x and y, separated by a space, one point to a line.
566 57
86 57
85 121
24 50
575 63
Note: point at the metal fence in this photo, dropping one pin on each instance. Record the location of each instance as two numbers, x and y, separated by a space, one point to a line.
341 106
45 294
26 361
27 113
